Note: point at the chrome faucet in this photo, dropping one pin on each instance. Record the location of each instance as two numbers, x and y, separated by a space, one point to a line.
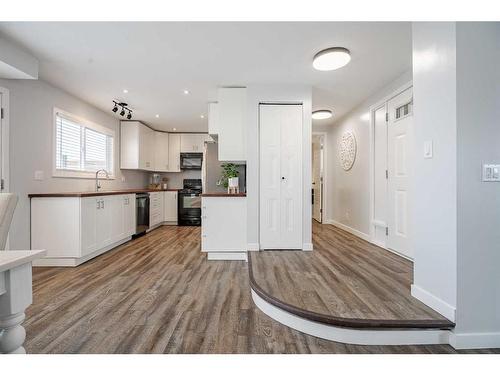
97 184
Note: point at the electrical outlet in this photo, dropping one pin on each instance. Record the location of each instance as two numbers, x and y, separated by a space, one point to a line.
38 176
491 172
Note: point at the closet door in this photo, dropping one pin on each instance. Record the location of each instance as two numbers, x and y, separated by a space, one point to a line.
281 176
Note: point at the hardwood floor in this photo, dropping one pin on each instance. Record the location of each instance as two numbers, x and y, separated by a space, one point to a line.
159 294
345 281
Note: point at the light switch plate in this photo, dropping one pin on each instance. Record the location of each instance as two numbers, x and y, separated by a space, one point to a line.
38 176
428 149
491 172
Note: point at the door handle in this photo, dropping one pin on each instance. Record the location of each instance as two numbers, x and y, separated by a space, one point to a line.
282 178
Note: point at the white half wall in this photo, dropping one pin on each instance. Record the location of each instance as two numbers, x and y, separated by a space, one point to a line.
348 200
435 180
31 132
276 94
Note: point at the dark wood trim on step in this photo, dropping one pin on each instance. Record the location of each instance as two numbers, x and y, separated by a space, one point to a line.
344 322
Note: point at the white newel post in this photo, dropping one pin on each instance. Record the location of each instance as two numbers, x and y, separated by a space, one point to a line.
15 297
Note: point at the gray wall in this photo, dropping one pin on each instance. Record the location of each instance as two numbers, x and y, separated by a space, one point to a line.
31 132
478 126
347 193
214 171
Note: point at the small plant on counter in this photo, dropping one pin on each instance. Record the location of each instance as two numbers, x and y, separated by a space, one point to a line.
228 171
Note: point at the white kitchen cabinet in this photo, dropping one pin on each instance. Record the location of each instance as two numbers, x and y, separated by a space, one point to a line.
161 152
170 206
193 142
231 124
155 208
136 146
174 152
213 118
75 229
223 212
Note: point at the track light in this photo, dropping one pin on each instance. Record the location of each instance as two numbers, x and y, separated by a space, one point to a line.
122 113
115 108
129 116
124 107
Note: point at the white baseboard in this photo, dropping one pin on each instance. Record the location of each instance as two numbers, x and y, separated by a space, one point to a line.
227 256
434 302
253 247
479 340
307 247
73 262
347 228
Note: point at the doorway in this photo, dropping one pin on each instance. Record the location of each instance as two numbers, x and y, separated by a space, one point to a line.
318 142
392 158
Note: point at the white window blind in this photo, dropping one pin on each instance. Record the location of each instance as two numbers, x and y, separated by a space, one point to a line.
80 148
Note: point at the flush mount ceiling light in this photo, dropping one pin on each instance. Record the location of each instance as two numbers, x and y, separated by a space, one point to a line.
322 114
331 59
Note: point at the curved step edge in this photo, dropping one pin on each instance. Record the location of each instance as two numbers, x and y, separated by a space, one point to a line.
352 335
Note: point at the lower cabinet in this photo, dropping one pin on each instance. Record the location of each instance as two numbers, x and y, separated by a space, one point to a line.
155 208
170 206
71 229
229 213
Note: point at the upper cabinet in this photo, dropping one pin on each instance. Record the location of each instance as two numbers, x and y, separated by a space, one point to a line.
136 146
146 149
174 152
161 152
227 119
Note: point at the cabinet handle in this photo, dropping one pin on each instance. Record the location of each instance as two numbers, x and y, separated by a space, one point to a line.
98 204
203 235
102 203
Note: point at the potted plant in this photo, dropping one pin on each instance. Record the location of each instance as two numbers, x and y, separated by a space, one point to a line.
229 177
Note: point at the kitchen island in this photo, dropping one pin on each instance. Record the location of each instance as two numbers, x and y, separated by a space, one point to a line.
224 226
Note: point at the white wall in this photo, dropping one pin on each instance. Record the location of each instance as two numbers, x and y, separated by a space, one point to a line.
31 133
435 182
348 192
278 94
478 125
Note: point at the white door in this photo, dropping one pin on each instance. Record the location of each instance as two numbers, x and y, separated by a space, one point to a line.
317 178
399 160
281 176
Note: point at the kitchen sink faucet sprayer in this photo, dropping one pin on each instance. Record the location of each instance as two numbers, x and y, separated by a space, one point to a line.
97 184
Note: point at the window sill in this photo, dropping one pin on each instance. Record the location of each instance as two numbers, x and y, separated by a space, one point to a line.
81 175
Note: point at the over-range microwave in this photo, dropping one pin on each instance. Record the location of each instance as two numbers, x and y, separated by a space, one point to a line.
191 160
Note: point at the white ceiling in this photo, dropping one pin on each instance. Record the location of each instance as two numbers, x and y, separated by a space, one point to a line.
157 61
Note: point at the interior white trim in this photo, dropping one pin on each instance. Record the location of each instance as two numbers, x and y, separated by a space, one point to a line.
476 340
351 335
347 228
435 303
227 256
371 163
4 123
253 246
324 194
307 247
73 262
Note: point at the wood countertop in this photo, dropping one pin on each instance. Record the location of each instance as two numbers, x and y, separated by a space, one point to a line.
224 195
96 193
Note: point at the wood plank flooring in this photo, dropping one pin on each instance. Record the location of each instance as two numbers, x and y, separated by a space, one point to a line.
345 281
159 294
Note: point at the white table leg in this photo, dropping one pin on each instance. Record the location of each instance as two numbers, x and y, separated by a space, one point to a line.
12 334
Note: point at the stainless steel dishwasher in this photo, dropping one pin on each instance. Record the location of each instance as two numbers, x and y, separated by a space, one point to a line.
142 212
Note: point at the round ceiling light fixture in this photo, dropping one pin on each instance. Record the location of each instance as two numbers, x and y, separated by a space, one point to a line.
331 58
322 114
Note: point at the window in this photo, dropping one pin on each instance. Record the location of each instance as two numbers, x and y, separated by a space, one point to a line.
81 148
